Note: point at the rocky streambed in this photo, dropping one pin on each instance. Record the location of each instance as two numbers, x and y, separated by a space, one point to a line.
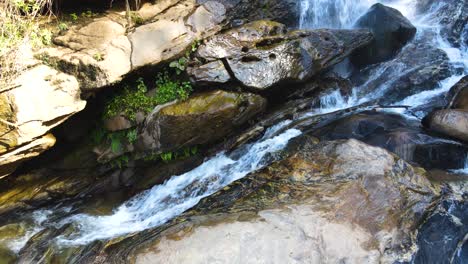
336 135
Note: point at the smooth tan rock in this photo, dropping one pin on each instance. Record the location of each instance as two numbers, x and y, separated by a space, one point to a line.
297 234
43 99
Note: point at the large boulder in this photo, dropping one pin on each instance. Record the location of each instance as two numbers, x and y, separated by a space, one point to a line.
449 122
457 97
263 54
391 32
202 119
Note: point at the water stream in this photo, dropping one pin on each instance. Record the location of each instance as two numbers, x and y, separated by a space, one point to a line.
164 202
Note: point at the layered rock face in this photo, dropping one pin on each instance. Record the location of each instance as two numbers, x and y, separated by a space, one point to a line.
263 54
41 99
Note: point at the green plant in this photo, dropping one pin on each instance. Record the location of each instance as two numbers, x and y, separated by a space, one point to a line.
87 14
62 26
166 157
98 56
136 18
74 17
130 102
132 135
120 162
169 90
19 26
179 65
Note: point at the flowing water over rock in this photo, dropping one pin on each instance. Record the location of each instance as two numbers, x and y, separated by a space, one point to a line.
164 202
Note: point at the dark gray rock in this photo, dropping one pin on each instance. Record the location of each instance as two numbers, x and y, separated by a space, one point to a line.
395 133
391 31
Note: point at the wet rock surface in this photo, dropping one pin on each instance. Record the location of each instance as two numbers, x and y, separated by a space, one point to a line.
452 15
452 123
457 97
391 32
442 237
418 67
263 54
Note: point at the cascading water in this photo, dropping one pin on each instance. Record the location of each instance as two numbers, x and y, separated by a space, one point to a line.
164 202
331 13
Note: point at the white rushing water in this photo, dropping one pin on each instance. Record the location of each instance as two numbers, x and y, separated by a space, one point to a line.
180 193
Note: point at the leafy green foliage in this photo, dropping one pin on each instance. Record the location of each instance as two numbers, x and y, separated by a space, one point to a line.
62 26
169 90
98 56
180 65
130 102
136 18
180 154
74 17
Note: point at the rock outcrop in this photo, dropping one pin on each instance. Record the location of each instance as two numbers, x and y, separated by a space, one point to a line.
102 52
391 32
201 119
41 99
263 54
395 133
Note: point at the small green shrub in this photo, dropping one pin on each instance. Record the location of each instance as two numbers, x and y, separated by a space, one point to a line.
62 26
74 17
180 65
136 18
98 56
169 90
130 102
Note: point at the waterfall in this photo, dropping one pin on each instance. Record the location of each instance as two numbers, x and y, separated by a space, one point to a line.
332 13
180 193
